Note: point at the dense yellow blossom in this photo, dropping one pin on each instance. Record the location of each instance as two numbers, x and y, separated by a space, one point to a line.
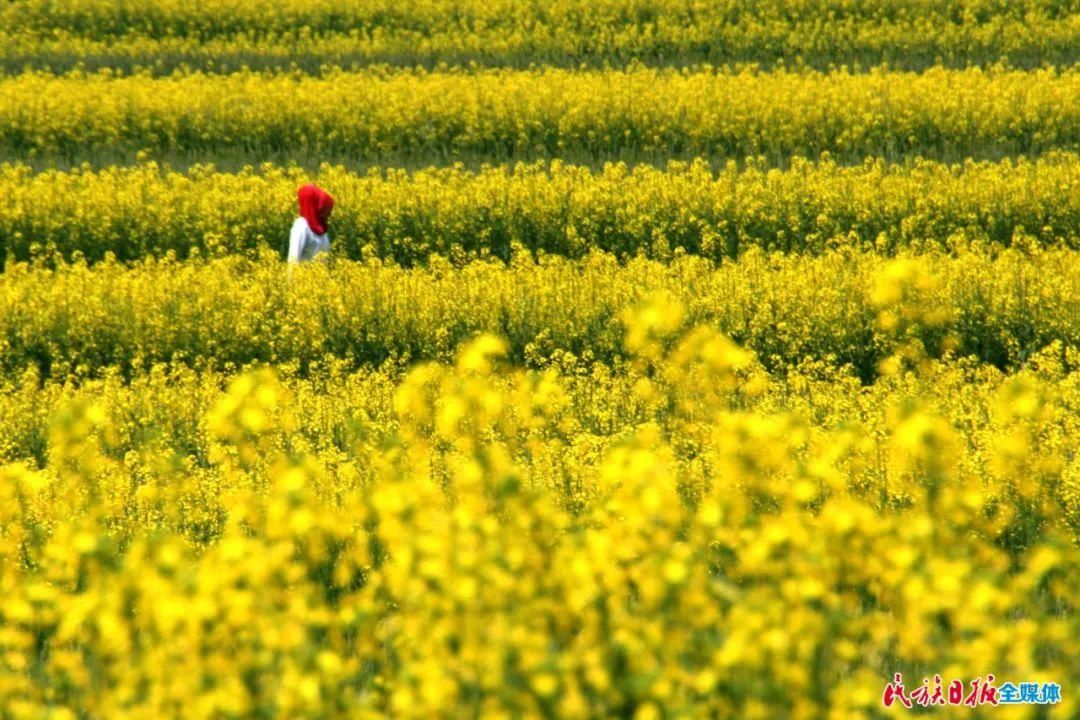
230 311
672 359
470 538
550 207
417 116
225 35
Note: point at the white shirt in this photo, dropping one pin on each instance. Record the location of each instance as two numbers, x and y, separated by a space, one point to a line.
304 244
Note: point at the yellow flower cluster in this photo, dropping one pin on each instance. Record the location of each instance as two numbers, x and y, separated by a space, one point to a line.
232 311
694 537
552 207
229 34
639 114
673 359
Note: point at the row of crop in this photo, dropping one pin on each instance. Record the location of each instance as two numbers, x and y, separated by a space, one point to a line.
343 414
233 311
554 208
175 18
222 37
417 116
467 546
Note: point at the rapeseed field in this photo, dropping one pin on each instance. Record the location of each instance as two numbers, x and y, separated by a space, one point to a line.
671 359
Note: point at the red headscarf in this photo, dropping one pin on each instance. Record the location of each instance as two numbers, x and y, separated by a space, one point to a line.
315 207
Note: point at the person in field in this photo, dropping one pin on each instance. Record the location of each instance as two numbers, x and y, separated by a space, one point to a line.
308 237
